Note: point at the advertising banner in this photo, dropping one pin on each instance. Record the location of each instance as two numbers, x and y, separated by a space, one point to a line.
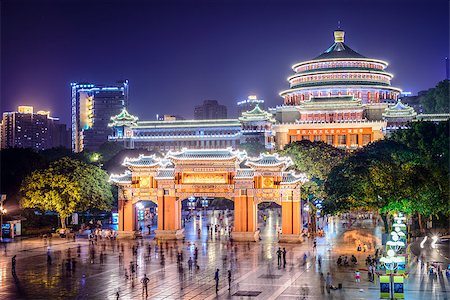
385 287
398 287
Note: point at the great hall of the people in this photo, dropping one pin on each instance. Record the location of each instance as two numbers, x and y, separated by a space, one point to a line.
339 97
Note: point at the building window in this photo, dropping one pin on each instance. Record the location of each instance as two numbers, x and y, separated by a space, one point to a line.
341 139
329 139
366 139
293 138
317 138
305 137
243 192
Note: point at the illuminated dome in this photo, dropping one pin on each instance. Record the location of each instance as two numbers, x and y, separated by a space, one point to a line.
341 71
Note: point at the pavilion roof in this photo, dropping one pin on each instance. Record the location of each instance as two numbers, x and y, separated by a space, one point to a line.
244 173
207 154
121 178
291 177
256 114
168 173
124 118
143 161
399 110
269 160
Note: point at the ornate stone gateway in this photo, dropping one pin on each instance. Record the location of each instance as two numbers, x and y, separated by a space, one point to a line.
213 173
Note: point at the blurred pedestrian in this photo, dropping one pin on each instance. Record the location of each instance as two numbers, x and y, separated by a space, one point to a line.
216 278
145 281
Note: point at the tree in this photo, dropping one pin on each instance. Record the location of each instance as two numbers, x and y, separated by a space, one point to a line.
386 176
315 159
67 186
435 100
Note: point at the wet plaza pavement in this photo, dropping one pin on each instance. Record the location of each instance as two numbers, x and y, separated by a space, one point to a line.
101 272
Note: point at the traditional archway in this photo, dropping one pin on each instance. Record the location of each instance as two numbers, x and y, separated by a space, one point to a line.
211 173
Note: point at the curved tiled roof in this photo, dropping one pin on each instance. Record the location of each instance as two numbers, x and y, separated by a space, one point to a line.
121 178
124 118
339 50
290 178
142 161
207 154
399 110
244 173
269 160
165 174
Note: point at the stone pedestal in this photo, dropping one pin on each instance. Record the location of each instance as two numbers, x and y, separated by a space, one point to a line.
245 236
169 234
290 238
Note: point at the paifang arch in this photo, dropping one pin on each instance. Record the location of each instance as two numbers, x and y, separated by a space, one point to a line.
213 173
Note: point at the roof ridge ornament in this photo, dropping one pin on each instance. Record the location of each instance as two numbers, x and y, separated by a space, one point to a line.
339 35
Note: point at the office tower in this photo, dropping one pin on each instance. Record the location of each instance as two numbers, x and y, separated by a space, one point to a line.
209 110
249 104
26 129
93 105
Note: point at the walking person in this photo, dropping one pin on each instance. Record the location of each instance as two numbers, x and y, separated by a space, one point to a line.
329 282
322 283
190 262
229 279
13 267
145 281
279 256
284 257
216 278
357 276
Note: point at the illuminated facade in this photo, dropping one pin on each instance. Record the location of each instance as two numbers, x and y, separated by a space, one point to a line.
249 104
211 173
253 126
92 107
338 97
28 129
341 71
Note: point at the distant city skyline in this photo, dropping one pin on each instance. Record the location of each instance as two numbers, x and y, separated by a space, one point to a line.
176 54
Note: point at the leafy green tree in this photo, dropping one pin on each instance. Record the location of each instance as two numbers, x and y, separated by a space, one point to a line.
430 139
67 186
315 159
436 100
388 176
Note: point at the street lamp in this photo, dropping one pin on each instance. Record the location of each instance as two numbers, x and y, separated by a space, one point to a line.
191 203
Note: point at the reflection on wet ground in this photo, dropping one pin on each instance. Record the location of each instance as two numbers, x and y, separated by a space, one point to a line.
111 269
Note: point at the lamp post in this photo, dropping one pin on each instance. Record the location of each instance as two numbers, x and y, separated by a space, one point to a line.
204 203
2 212
191 203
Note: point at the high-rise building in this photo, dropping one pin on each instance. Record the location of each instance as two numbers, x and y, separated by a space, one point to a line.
26 129
210 110
249 104
93 105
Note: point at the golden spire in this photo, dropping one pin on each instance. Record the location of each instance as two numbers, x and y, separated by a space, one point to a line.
339 35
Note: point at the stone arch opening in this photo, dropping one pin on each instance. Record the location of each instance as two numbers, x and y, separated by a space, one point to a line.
217 173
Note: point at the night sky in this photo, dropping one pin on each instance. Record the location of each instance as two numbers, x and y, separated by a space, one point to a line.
178 53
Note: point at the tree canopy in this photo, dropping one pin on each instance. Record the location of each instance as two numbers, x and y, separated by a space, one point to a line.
436 100
386 175
67 186
316 160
